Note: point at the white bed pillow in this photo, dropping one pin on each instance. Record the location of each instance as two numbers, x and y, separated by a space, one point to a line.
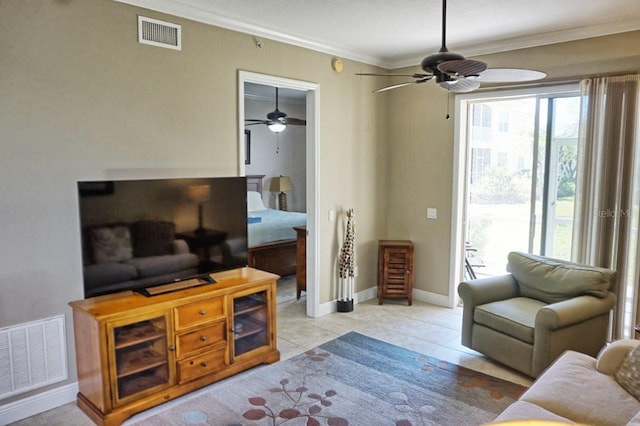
254 202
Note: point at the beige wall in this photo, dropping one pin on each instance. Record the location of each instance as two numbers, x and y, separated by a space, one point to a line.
80 99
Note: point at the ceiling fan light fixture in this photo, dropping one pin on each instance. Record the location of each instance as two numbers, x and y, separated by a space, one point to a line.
277 127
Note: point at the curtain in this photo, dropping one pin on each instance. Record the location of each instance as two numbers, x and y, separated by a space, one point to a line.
607 211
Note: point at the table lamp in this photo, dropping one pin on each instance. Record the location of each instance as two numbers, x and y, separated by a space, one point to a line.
199 194
281 184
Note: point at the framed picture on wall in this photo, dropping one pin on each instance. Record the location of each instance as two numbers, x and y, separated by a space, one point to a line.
247 146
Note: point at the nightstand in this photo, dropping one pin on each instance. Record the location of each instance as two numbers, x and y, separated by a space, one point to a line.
301 260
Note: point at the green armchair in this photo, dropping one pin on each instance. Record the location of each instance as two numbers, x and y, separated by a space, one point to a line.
528 318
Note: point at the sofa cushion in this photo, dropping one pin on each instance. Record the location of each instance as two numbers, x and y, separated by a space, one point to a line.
158 265
515 317
628 375
572 387
152 238
525 410
108 273
554 280
111 244
612 355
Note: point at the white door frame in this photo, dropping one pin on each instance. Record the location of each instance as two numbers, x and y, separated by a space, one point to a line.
312 138
460 153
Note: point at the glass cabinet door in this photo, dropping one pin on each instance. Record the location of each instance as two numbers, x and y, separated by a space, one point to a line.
250 322
140 358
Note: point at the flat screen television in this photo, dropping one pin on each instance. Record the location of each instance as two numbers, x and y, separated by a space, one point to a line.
141 234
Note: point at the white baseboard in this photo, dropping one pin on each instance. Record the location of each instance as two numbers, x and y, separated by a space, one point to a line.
359 297
35 404
433 298
368 294
372 293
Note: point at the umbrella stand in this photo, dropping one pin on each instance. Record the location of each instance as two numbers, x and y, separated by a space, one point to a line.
346 267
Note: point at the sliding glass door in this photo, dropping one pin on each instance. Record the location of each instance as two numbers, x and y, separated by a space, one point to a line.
520 177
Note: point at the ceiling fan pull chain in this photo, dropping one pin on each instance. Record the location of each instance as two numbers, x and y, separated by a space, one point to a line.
448 97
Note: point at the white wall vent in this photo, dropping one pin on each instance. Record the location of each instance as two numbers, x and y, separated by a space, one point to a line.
159 33
32 355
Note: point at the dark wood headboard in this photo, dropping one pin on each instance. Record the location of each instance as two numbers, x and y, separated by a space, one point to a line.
254 183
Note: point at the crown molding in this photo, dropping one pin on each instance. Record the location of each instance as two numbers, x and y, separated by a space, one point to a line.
524 42
185 10
188 11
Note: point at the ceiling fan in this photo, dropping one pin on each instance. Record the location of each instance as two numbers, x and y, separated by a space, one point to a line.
457 74
276 120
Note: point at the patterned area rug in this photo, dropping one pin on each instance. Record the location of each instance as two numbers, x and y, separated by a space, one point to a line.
351 380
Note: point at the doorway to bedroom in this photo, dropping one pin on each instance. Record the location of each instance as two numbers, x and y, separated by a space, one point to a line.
277 125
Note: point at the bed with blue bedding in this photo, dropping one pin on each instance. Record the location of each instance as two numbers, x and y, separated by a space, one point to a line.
271 234
271 225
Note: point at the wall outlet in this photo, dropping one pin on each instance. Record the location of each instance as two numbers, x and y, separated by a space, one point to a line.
355 271
432 213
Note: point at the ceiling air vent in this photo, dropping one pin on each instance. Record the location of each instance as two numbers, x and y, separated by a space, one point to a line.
159 33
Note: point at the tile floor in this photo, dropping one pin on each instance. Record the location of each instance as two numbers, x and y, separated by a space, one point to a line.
424 328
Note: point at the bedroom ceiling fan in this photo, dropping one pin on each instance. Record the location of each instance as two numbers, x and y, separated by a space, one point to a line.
276 120
457 74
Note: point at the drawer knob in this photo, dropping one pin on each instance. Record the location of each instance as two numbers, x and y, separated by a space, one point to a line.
203 363
172 348
203 338
202 312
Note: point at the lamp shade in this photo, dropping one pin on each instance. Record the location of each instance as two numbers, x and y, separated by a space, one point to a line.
281 184
199 193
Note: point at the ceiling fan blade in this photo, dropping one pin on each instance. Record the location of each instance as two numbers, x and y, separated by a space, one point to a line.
406 83
506 75
394 75
254 124
461 85
255 120
296 121
462 67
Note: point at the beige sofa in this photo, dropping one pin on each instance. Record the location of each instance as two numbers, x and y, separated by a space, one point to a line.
582 389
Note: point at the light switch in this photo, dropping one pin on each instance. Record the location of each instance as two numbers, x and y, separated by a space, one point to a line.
332 215
432 213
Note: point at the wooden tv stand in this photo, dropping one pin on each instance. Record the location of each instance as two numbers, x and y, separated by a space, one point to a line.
134 352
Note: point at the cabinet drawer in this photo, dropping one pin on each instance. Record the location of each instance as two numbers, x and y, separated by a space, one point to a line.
201 338
199 312
197 366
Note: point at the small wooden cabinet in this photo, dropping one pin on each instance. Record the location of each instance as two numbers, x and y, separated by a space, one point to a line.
134 352
395 270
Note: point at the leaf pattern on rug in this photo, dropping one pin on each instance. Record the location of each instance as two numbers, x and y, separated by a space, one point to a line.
467 378
353 379
419 412
300 407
